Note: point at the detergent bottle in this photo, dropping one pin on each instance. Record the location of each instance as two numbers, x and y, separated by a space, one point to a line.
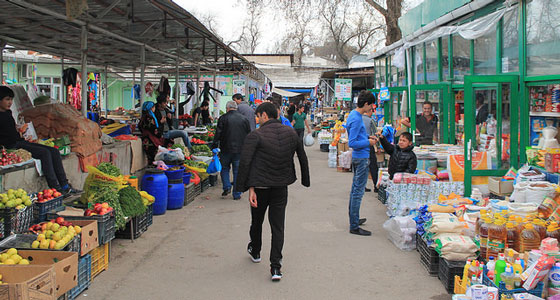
554 280
500 268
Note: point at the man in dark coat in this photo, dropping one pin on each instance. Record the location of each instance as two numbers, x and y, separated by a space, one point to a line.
231 131
266 169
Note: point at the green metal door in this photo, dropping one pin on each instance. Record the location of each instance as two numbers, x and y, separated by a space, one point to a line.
491 100
439 96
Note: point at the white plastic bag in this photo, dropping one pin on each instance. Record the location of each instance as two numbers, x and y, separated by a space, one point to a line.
523 209
536 192
169 154
402 232
308 140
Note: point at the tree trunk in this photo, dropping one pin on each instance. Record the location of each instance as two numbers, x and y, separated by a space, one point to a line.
394 10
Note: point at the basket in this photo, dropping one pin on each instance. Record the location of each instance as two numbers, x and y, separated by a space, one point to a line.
190 193
99 260
538 291
23 241
382 194
15 221
204 185
139 225
40 210
428 257
447 272
84 277
105 224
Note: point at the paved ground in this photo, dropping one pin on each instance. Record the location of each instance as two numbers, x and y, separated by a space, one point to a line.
199 252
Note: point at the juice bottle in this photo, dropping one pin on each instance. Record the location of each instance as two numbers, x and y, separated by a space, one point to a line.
540 228
530 239
484 236
547 207
512 235
497 238
553 231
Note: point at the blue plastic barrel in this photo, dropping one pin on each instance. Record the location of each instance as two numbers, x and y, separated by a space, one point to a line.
155 183
175 194
187 178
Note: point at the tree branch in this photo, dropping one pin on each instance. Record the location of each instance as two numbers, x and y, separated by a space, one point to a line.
378 7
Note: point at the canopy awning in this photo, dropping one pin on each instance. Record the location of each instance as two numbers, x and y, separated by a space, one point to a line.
284 93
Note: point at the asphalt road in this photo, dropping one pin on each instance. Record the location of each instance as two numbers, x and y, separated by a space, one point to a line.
199 252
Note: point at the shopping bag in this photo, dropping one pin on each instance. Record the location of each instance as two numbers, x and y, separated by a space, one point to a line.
215 166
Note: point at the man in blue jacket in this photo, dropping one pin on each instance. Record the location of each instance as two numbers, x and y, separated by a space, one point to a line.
360 143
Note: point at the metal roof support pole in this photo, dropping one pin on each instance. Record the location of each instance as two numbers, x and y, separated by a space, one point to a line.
105 92
84 70
177 89
142 75
217 110
133 92
2 45
197 86
62 86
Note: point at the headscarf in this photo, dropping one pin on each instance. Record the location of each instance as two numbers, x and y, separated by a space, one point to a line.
147 107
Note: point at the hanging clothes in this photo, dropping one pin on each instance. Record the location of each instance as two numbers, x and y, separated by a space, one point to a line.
149 89
164 87
69 77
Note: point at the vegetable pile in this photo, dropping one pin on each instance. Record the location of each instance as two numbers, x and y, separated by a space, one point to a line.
131 202
202 150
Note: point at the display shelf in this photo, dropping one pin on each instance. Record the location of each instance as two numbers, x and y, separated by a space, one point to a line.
545 114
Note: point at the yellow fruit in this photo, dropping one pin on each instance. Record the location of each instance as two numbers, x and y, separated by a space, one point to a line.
59 245
3 257
9 261
35 244
78 229
0 276
24 262
49 225
11 251
41 237
16 258
49 234
44 244
55 227
52 244
57 236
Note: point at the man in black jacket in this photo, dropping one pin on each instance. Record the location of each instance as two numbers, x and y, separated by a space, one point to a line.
231 131
403 159
266 169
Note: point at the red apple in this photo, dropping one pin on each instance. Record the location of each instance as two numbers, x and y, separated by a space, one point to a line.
60 220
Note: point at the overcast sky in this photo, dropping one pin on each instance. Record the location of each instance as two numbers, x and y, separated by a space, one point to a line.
231 13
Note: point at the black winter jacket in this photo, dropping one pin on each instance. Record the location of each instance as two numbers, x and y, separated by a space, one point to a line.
231 131
402 160
267 158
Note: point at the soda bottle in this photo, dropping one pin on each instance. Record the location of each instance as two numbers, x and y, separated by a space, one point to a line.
547 207
497 238
484 236
512 235
530 239
540 228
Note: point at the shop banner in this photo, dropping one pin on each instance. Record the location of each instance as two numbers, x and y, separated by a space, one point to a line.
239 87
343 89
456 167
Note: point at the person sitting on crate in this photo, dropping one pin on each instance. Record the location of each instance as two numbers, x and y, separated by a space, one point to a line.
10 137
165 118
403 159
152 135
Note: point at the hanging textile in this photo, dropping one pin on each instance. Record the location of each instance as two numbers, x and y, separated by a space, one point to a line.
69 77
164 87
149 89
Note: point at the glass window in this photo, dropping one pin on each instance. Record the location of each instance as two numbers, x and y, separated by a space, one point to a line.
445 57
485 54
543 37
401 73
419 61
393 74
461 57
432 62
382 73
510 50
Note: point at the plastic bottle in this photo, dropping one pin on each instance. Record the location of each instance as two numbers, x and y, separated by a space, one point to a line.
497 238
473 269
520 226
540 228
484 236
332 157
554 280
500 268
491 265
466 274
547 207
479 221
529 238
508 278
517 270
512 235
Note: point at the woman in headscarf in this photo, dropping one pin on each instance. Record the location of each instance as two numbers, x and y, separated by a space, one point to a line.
152 136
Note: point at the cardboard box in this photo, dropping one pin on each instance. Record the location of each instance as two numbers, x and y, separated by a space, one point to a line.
89 235
27 282
65 266
342 147
499 187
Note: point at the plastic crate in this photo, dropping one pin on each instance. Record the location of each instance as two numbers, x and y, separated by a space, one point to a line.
382 194
40 210
204 185
23 241
84 277
139 225
447 272
197 189
15 221
99 260
190 193
213 179
428 257
538 291
150 211
105 224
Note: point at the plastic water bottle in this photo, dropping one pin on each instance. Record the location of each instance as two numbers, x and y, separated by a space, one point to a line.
554 280
332 156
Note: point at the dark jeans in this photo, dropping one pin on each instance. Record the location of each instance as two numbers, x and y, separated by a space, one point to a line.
51 162
373 168
360 167
300 132
227 159
276 199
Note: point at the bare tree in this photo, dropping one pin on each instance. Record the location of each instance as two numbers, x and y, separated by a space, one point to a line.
391 11
300 17
251 33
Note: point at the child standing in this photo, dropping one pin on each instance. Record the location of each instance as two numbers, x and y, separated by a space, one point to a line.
402 158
